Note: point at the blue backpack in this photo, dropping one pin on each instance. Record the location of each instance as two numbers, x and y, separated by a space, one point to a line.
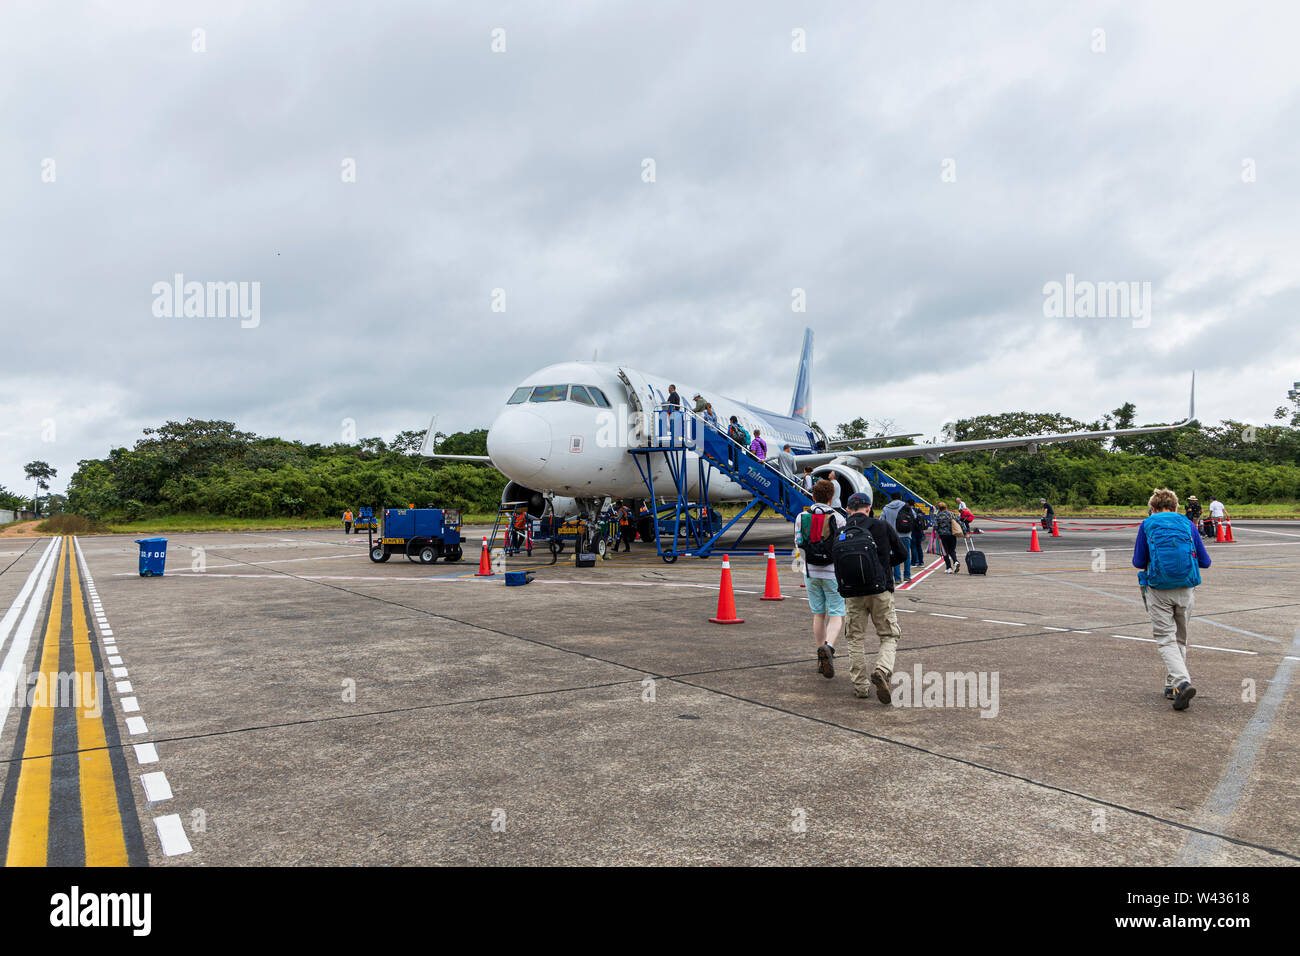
1172 550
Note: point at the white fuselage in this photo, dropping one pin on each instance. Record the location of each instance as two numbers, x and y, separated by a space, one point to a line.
568 448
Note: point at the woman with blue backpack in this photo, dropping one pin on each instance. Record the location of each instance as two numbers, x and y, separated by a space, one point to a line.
1169 556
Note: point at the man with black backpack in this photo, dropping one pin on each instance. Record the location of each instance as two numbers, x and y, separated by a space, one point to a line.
899 514
815 534
1169 554
863 555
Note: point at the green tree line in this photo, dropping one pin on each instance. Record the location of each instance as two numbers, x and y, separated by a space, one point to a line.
211 467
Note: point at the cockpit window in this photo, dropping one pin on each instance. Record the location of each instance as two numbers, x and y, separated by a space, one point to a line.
521 395
599 396
579 394
549 393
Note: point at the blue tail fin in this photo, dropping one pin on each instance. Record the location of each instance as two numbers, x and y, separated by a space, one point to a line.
801 403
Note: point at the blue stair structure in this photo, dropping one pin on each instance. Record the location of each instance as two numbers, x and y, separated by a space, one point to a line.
886 485
686 442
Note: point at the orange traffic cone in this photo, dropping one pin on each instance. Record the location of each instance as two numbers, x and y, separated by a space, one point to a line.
1056 532
772 586
726 599
1033 540
1228 532
1219 536
484 563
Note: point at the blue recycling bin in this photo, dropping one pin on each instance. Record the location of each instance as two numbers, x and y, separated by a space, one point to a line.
153 556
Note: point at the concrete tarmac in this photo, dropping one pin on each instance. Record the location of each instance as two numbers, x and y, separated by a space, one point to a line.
306 706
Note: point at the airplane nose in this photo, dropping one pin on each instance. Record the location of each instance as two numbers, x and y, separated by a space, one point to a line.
519 443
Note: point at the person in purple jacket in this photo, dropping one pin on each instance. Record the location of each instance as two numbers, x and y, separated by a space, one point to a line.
1169 554
759 445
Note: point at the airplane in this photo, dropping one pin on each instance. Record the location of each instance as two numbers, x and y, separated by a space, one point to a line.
563 436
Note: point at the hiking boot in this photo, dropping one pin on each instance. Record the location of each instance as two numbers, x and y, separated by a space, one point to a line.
1183 695
881 683
861 694
826 661
1169 692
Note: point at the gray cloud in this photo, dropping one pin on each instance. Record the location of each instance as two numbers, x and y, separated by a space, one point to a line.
522 171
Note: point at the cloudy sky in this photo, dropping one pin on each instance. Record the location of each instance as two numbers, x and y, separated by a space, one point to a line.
920 170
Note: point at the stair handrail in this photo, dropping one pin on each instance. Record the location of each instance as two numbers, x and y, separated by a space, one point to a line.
726 433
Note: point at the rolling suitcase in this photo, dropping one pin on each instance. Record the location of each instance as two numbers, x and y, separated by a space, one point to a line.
976 563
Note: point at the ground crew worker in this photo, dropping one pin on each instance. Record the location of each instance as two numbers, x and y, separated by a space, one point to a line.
1169 556
1048 513
626 529
347 521
519 531
878 608
1218 514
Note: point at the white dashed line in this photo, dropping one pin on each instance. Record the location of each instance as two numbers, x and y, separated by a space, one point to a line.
171 832
172 835
156 787
1010 623
955 617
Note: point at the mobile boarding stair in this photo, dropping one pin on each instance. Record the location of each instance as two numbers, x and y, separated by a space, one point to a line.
689 446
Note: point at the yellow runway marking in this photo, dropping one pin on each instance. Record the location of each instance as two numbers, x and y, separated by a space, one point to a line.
30 832
101 820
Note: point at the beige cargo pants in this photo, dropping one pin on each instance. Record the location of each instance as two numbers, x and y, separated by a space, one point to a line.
879 609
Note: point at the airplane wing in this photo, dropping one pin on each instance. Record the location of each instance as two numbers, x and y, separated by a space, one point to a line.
931 453
874 441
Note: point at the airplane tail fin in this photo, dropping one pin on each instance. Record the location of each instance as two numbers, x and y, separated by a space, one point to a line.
801 402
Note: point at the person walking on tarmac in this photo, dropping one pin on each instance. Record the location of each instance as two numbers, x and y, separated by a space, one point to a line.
1194 511
1218 514
347 521
814 535
1169 556
863 555
626 527
947 527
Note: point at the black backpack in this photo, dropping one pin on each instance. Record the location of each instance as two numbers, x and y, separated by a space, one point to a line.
904 523
858 568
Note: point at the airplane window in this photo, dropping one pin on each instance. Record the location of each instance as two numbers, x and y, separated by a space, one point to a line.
579 394
520 395
550 393
599 396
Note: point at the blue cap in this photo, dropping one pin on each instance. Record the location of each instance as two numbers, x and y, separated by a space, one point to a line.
858 500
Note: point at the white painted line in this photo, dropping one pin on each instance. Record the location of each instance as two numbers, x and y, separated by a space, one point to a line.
16 608
955 617
130 705
106 632
156 787
905 610
1288 657
1012 623
135 726
110 641
13 662
1048 627
172 835
123 686
1228 650
1125 637
119 672
1080 632
146 753
115 661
